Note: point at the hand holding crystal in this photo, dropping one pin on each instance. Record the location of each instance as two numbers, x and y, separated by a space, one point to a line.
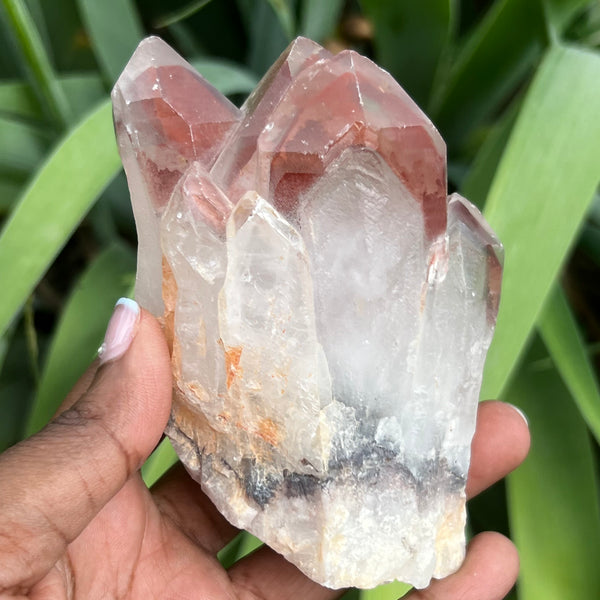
77 521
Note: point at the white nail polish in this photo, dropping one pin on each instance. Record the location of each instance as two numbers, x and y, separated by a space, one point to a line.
521 413
121 330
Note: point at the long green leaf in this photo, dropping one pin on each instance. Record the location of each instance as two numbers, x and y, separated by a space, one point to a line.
319 18
240 546
179 14
589 241
15 386
22 147
18 100
559 13
540 194
70 45
560 333
493 61
476 184
227 77
283 10
10 189
553 496
409 40
390 591
267 37
80 329
36 60
115 30
159 462
81 166
84 90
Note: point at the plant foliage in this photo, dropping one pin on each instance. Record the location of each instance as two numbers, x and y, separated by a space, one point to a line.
514 87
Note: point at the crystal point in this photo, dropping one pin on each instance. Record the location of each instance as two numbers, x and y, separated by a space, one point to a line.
327 307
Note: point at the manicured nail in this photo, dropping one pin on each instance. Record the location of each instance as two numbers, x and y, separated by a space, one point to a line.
521 413
120 331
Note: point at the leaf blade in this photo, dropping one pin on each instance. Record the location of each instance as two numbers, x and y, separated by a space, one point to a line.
227 77
552 153
159 462
37 61
559 331
319 18
409 40
552 497
80 329
115 30
73 176
491 63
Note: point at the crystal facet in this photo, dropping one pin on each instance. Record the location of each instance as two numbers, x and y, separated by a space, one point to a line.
328 308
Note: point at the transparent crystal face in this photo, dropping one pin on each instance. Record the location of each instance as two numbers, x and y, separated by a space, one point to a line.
327 307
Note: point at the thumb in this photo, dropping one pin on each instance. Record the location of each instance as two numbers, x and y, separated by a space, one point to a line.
53 484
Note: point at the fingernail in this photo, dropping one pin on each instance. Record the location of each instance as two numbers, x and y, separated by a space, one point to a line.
521 413
120 331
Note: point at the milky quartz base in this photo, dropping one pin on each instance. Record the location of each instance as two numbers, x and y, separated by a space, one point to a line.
328 307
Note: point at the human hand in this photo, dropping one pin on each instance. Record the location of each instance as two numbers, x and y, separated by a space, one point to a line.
77 521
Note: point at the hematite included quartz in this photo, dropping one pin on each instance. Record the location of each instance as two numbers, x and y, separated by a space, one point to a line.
328 307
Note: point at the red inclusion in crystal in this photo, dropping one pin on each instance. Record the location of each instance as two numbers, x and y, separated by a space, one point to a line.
234 169
348 101
173 116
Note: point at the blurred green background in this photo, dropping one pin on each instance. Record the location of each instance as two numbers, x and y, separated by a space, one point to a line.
513 86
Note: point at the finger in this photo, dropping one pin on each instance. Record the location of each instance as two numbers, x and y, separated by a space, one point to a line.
54 483
267 575
181 499
80 388
489 571
499 446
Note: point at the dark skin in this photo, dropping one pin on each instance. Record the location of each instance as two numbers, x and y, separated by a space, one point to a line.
76 520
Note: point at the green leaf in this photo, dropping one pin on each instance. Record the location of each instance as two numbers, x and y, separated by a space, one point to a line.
249 543
84 91
409 40
495 59
320 18
15 386
22 147
227 77
267 37
9 58
561 336
65 187
228 555
476 184
159 462
390 591
115 30
589 241
560 13
283 10
10 190
540 194
240 546
553 496
81 328
70 45
179 14
18 100
36 60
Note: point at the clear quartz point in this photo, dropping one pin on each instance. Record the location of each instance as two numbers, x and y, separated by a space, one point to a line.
327 306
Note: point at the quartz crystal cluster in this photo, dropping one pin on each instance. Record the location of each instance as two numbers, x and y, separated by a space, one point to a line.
328 307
